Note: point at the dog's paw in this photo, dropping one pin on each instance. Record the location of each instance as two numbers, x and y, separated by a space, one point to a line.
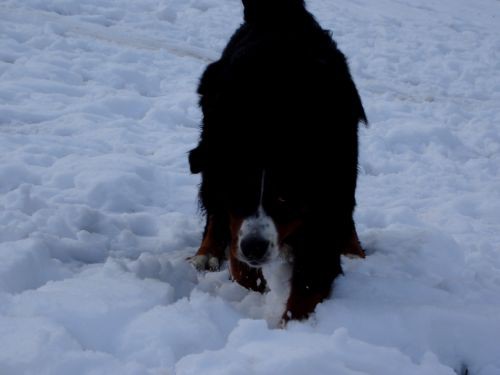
205 262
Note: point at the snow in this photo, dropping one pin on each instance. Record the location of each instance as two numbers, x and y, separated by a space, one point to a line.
98 212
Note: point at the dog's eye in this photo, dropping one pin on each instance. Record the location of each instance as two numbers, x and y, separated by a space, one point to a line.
281 200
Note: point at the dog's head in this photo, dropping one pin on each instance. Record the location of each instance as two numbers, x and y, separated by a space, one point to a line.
265 210
258 10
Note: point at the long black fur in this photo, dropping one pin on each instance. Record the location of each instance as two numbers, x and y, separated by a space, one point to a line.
281 99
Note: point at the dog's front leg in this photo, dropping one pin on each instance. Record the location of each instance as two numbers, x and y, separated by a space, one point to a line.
213 246
311 283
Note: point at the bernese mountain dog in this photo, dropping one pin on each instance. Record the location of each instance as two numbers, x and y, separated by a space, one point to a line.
278 153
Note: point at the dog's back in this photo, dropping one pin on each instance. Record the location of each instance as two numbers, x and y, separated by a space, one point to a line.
279 75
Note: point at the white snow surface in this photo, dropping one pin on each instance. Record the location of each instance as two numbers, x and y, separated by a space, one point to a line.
98 210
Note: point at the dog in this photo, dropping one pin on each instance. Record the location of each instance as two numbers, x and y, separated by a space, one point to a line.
278 153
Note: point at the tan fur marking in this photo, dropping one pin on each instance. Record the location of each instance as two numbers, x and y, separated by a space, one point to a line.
209 248
354 248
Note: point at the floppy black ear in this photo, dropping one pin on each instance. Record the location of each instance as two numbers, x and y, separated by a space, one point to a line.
251 9
250 3
196 160
266 9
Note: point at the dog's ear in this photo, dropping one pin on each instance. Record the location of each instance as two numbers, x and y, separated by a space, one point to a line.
196 160
251 9
283 3
264 9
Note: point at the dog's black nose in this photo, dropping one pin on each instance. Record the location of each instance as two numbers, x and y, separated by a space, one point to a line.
254 248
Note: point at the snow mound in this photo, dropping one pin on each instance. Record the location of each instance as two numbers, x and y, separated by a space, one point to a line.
98 212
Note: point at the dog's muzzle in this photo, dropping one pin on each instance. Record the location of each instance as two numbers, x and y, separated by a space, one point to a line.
258 240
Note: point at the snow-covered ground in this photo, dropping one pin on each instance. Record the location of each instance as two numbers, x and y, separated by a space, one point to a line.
98 211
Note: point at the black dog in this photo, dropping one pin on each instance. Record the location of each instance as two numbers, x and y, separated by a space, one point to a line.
278 153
